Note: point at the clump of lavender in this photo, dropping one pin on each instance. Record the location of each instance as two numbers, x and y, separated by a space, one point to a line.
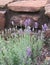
28 52
36 25
28 60
27 22
44 27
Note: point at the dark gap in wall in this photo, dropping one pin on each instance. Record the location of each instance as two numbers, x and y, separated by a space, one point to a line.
43 18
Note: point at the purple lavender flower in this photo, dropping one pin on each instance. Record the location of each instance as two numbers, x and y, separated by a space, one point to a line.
27 22
44 27
28 51
36 25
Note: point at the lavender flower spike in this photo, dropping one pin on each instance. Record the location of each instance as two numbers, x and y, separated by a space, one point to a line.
28 51
27 22
45 26
36 25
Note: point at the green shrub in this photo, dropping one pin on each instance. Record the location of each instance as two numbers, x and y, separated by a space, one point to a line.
13 51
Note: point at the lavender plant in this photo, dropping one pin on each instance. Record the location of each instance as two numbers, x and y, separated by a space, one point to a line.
36 47
23 52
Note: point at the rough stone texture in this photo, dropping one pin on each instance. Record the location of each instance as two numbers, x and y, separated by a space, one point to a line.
47 9
2 19
48 2
4 2
27 6
47 33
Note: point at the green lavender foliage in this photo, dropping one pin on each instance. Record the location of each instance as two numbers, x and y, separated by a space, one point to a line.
13 51
36 46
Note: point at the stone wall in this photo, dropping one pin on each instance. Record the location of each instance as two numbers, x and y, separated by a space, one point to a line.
30 11
2 19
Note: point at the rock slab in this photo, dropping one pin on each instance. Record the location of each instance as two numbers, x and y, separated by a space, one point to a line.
27 6
4 2
47 10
